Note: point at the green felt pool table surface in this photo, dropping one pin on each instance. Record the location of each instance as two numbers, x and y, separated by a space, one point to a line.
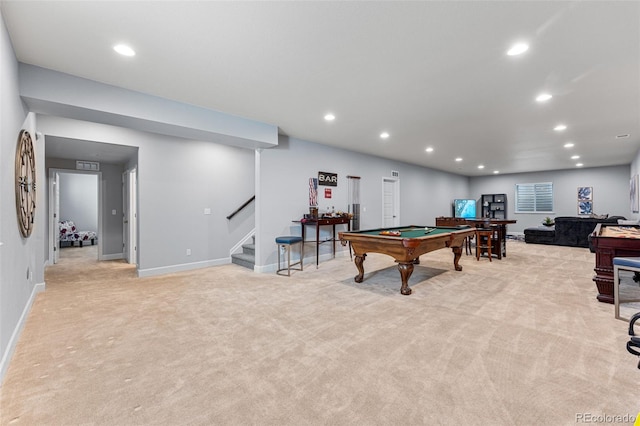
413 231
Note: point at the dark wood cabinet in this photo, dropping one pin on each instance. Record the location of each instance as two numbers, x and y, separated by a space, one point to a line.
608 244
499 225
450 221
494 206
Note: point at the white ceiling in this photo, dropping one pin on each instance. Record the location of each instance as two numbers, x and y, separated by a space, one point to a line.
430 73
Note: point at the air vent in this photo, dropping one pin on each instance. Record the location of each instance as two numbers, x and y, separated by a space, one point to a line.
88 165
395 173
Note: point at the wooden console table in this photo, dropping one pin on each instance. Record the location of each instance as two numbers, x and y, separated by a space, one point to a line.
317 223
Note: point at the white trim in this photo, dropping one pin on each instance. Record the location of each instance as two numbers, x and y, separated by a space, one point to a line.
238 247
13 341
182 267
114 256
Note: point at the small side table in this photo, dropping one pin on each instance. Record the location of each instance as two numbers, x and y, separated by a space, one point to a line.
317 223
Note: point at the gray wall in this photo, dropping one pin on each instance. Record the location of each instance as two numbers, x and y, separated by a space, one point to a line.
610 192
21 260
79 200
177 180
284 174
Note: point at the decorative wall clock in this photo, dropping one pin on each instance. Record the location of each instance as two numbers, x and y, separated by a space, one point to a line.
25 183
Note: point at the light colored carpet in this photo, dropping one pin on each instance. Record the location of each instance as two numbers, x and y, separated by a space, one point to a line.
515 341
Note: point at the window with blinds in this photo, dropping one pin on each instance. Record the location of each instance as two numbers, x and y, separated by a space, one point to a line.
534 197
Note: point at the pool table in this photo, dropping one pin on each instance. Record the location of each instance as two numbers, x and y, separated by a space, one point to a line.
405 244
609 241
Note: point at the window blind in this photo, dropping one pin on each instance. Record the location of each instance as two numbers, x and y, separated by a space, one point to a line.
534 197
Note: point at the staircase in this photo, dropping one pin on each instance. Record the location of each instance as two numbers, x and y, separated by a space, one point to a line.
248 256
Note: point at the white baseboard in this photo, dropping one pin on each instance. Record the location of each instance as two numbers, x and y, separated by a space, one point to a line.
11 347
150 272
114 256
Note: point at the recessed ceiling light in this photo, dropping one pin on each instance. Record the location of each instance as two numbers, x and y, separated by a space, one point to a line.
384 135
124 50
623 136
459 159
560 127
575 157
518 49
543 97
429 149
579 164
329 117
569 145
495 172
481 166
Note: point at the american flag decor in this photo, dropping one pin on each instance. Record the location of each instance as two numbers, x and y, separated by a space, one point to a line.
313 191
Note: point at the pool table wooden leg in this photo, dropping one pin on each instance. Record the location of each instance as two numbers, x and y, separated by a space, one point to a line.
457 252
359 260
406 269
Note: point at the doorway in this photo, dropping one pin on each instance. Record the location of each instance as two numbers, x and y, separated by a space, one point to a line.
390 202
75 196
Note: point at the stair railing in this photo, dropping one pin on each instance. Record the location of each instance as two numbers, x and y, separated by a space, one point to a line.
239 209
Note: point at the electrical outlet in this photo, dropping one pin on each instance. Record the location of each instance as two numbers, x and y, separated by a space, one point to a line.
188 252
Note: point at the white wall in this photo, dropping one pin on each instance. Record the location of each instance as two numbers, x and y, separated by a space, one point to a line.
610 192
21 260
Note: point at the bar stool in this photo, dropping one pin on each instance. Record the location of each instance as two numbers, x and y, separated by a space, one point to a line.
484 238
285 243
467 245
631 264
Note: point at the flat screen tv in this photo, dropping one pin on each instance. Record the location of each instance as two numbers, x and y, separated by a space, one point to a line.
464 208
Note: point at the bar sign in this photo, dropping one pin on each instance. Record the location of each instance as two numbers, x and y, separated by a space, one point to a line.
327 179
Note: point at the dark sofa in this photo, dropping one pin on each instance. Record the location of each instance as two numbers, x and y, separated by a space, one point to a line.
568 231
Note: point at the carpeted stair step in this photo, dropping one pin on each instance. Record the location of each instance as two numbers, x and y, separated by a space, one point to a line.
244 259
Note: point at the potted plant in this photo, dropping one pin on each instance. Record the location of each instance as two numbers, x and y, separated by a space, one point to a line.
548 221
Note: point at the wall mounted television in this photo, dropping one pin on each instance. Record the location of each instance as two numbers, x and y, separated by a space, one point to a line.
464 208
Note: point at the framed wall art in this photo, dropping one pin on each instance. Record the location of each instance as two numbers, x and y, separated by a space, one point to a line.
585 193
585 207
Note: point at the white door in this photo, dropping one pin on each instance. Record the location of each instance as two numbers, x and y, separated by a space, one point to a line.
390 203
129 216
125 216
54 191
133 217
